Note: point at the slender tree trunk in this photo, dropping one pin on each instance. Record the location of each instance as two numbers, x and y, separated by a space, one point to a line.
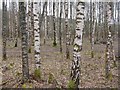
112 29
105 31
115 20
45 25
36 35
91 23
67 32
75 70
25 66
102 21
15 22
93 32
57 19
74 23
30 29
99 24
43 11
109 49
11 20
49 20
54 28
86 29
71 21
118 32
7 23
4 28
32 24
60 33
40 9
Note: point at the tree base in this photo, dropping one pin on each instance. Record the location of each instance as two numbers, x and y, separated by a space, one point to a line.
37 74
16 44
4 57
92 54
54 44
67 55
29 50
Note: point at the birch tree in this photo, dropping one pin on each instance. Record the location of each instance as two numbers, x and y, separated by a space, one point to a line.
93 32
15 22
109 46
36 37
57 16
105 31
67 32
54 28
74 23
50 13
60 33
11 29
9 22
91 19
45 36
4 28
75 70
22 17
29 25
99 22
43 12
71 23
32 24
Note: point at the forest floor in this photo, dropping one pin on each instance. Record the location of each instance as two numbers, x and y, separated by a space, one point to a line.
55 63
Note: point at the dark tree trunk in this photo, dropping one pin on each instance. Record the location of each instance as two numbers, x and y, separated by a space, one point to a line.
25 66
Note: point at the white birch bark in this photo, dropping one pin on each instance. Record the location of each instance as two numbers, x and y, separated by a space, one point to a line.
36 35
109 47
60 24
75 70
67 31
32 24
29 25
93 32
45 25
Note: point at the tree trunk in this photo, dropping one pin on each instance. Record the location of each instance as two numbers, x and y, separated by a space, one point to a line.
93 32
36 35
45 25
4 28
60 33
109 46
54 28
25 66
91 23
30 29
32 24
15 22
67 32
75 70
71 22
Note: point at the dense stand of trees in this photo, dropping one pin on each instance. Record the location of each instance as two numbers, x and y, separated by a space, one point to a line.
97 21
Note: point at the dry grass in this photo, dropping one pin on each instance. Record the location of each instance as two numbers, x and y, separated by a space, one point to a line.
92 70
